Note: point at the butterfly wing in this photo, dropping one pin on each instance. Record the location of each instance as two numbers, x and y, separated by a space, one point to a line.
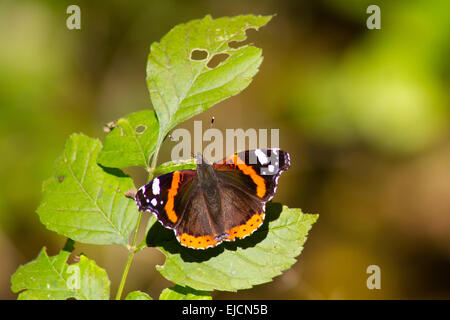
243 213
178 203
159 196
197 227
247 181
255 172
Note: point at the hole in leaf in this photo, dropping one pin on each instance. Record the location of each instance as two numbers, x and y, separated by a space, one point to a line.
217 59
250 33
140 129
199 54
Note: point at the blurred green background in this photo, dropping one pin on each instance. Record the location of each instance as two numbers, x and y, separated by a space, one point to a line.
364 114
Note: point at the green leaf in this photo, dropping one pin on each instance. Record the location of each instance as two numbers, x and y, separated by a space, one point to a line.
176 165
241 264
138 295
184 293
94 284
131 142
86 202
181 86
51 278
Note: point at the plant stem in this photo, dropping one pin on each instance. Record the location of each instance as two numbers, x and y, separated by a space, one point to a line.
133 249
129 259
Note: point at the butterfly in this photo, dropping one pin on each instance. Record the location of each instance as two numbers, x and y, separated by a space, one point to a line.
223 201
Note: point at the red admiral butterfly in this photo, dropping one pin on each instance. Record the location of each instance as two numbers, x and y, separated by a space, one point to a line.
217 202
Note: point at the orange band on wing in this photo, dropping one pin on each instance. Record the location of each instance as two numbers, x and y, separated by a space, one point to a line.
246 229
201 242
171 214
248 170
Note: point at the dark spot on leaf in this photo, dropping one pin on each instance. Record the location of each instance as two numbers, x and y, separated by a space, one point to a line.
61 178
199 54
69 246
114 171
140 129
217 59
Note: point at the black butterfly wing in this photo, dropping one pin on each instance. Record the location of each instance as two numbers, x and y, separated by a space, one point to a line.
160 196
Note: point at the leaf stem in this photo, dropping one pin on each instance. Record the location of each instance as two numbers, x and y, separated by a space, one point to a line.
154 161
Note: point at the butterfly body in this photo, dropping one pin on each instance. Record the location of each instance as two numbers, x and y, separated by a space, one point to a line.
217 202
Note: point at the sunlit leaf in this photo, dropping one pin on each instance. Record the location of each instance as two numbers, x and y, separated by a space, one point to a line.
51 278
183 84
86 202
131 142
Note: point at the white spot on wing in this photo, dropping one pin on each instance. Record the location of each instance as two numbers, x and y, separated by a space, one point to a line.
155 186
154 202
261 156
271 168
